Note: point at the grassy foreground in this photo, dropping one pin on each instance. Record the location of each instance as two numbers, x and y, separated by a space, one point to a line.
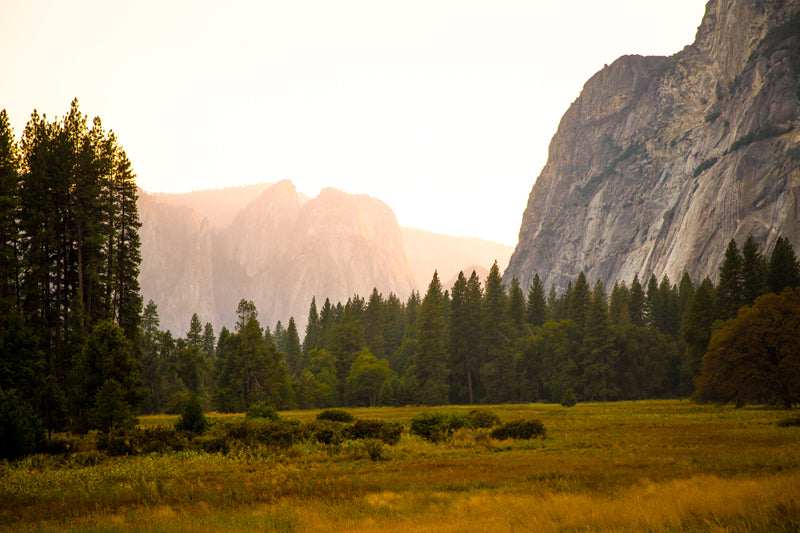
634 466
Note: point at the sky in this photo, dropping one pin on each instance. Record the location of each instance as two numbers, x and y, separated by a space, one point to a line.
443 109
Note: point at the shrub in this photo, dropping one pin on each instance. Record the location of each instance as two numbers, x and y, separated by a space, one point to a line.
387 432
326 432
20 428
519 429
335 415
118 442
481 418
192 418
262 410
568 399
374 448
789 422
160 439
436 426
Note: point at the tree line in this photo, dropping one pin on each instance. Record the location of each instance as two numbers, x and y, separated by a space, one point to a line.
479 342
70 306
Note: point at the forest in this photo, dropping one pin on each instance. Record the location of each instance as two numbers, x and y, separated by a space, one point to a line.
79 351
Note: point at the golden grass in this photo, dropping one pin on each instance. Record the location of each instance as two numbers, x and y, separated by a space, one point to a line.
634 466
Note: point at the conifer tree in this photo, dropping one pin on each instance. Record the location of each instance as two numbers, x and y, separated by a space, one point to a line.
697 328
754 272
619 304
497 372
579 301
294 352
465 322
730 295
311 338
430 359
598 346
636 308
783 270
536 305
516 307
9 230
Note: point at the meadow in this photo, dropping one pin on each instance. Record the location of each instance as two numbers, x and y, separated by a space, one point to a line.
628 466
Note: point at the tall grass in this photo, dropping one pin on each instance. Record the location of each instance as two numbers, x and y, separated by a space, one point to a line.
657 466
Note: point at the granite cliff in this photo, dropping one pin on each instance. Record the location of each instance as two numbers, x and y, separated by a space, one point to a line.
662 160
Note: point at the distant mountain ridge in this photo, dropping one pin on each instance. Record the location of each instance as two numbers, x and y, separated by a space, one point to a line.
272 245
662 160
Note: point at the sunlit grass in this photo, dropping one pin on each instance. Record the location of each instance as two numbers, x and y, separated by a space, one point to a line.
633 466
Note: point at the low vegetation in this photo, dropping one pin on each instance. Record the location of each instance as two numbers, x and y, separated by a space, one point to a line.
627 466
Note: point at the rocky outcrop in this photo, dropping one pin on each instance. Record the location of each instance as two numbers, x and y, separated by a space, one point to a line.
662 160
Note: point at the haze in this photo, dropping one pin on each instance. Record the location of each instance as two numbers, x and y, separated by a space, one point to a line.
443 109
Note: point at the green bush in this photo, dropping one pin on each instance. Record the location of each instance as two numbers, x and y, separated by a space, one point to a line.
160 439
436 426
481 418
519 429
118 442
568 399
386 432
20 428
262 410
326 432
374 448
335 415
192 419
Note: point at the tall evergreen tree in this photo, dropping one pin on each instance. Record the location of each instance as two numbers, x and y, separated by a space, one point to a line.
294 352
697 329
374 324
730 294
9 232
497 373
516 307
465 322
636 308
430 359
579 301
619 304
783 270
598 346
311 338
536 305
754 272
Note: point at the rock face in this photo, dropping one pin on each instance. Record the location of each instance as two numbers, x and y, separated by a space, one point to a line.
662 160
275 252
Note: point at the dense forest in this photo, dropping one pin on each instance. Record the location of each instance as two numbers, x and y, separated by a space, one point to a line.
78 351
481 342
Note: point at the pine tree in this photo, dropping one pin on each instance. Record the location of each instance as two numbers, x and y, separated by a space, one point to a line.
497 372
209 341
516 307
783 270
697 328
754 272
465 321
536 305
374 324
244 312
636 308
194 336
9 230
294 352
599 355
730 294
430 359
579 301
312 336
619 304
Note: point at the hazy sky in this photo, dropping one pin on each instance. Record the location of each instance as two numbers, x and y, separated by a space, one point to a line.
441 108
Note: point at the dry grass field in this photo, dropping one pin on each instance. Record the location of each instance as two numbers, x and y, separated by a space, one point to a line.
634 466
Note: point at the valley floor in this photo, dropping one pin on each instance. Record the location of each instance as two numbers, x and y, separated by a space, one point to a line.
631 466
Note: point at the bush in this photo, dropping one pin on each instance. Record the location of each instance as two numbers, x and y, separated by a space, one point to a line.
386 432
568 399
789 422
436 426
20 428
326 432
335 415
160 439
192 418
262 410
481 418
374 448
519 429
118 442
